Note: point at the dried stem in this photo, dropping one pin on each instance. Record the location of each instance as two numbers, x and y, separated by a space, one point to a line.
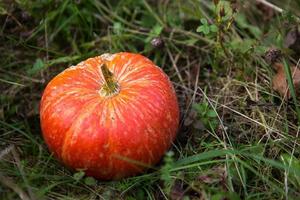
270 5
110 86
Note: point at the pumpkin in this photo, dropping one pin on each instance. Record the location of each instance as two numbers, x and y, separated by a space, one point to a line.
111 116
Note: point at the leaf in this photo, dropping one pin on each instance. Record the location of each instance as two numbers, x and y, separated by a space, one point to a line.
37 67
117 27
280 83
212 114
213 28
90 181
157 29
199 29
170 154
200 107
204 21
203 29
78 175
292 40
155 32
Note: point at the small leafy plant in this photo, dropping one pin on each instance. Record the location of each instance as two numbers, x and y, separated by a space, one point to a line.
206 28
166 175
79 176
207 115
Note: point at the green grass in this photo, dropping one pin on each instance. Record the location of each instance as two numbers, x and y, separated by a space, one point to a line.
238 138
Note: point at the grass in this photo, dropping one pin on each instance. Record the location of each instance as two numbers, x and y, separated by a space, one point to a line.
238 138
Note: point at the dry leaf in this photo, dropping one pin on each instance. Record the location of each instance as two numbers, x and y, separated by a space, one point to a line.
280 83
215 175
292 40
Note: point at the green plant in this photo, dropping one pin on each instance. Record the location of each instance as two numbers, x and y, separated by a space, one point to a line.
165 171
207 115
206 28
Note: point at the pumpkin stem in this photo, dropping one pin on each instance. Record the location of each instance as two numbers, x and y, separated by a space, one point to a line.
110 86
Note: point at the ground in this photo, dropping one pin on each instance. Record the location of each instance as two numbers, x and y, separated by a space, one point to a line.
238 137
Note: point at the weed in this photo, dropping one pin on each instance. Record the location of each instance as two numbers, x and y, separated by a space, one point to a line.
206 115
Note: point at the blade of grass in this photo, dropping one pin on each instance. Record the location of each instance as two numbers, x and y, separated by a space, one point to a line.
11 82
291 85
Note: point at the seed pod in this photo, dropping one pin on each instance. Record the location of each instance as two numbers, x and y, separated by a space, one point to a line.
273 55
157 42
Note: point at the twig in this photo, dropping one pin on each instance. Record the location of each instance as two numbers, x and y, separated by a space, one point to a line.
8 182
270 5
274 7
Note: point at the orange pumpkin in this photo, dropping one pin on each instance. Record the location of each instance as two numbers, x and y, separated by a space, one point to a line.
111 115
